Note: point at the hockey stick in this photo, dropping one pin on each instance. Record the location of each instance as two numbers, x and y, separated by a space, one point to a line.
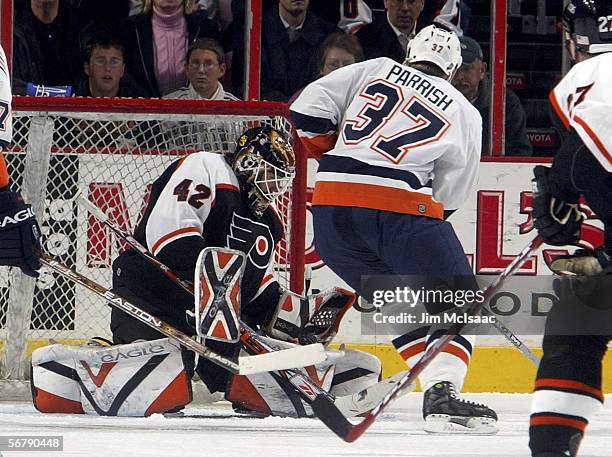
298 356
339 424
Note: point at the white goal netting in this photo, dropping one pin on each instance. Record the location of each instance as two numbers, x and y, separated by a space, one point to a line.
111 158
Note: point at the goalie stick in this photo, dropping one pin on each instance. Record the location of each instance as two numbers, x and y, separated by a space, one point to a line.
338 422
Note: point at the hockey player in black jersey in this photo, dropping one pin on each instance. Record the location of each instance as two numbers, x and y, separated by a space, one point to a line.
204 200
568 384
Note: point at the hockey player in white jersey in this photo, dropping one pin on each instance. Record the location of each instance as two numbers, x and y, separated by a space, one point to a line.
398 149
568 386
19 230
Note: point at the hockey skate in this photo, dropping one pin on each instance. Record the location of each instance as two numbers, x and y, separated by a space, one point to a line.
444 412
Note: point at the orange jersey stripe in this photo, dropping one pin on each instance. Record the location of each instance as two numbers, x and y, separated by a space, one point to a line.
558 110
569 384
556 420
376 197
4 177
595 138
166 237
319 145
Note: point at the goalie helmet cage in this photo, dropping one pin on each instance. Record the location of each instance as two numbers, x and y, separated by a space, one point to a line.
111 151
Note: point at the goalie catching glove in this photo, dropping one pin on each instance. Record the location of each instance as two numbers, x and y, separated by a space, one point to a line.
585 262
19 234
311 319
558 222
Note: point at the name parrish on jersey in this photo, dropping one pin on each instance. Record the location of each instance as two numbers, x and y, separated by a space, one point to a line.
423 84
382 131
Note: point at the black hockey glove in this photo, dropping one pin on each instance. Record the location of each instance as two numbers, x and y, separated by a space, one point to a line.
19 234
557 221
585 262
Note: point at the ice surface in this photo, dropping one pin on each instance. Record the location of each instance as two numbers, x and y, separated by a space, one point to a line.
397 433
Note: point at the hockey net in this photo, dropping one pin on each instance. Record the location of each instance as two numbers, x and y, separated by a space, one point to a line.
111 152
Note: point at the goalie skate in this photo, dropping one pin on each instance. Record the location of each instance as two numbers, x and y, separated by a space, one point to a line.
445 413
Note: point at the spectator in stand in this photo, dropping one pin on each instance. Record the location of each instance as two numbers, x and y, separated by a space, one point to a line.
389 33
337 51
105 70
156 43
106 78
205 68
46 45
291 37
472 82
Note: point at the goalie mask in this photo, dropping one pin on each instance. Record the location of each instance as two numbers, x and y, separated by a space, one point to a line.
264 163
437 46
588 24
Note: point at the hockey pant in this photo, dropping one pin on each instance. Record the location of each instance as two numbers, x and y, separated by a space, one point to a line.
355 242
568 384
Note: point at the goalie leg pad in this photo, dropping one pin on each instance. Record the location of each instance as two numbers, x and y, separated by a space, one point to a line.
265 394
356 371
137 379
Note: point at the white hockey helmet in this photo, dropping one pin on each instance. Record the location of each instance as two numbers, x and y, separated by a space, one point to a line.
438 46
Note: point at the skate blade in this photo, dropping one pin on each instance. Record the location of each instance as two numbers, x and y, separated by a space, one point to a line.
443 424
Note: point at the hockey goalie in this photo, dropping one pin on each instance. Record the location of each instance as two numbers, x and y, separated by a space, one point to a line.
211 218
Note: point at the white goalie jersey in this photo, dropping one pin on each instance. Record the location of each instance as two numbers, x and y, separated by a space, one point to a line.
197 203
583 102
389 137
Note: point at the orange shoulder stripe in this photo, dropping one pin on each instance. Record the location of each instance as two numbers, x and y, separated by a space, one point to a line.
172 234
595 138
558 110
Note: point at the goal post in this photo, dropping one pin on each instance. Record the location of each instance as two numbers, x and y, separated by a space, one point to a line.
111 150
